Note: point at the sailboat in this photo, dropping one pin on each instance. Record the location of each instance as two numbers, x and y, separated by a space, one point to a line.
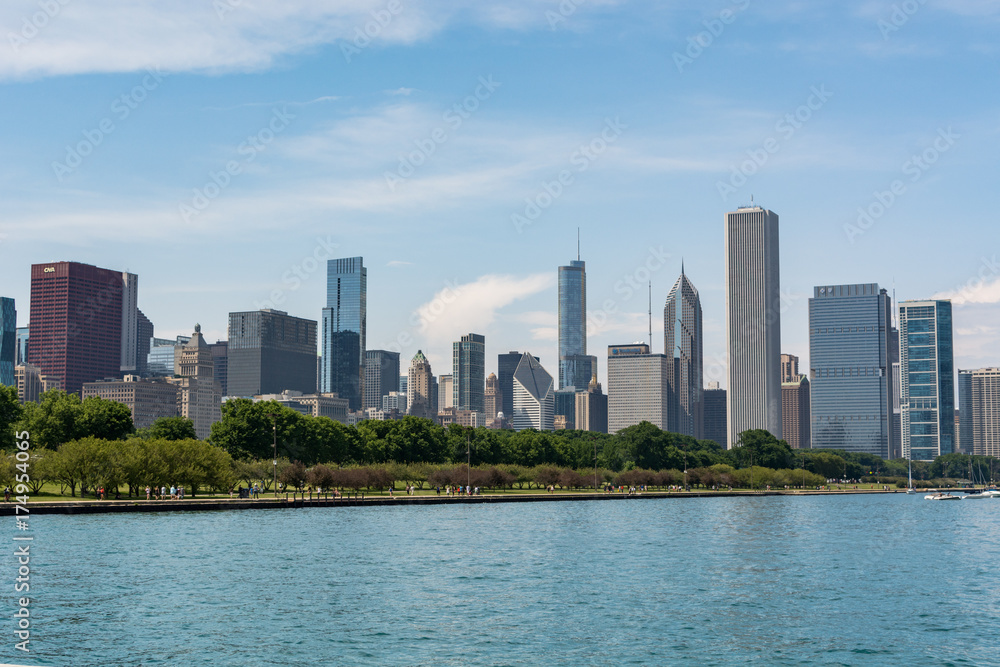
909 475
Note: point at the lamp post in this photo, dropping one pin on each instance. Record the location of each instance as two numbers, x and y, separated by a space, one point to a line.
685 451
274 461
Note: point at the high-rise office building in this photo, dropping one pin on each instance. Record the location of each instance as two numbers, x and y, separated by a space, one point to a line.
682 333
446 393
270 351
8 341
927 394
381 376
753 322
506 365
715 413
492 399
984 412
850 329
896 447
789 368
638 387
469 372
592 408
83 322
344 330
420 400
199 396
795 412
130 323
220 359
564 407
534 398
163 354
575 366
144 329
964 434
22 345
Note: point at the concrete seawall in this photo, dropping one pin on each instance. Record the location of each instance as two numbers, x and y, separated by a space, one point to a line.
222 504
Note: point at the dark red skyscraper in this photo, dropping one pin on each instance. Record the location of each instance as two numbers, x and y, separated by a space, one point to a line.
76 322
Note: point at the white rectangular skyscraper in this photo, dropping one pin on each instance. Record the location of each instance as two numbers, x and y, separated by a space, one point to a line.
753 322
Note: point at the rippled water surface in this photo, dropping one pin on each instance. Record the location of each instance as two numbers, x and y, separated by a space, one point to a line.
770 580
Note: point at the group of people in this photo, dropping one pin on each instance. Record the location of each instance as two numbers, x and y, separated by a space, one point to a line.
457 490
160 493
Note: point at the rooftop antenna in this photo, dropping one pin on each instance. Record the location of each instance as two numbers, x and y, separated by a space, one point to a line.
578 244
895 323
682 266
751 201
651 316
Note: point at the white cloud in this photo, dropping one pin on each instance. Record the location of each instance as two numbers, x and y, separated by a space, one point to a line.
980 291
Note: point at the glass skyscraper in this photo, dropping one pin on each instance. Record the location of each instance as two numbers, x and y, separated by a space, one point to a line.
576 367
682 334
468 376
927 396
850 329
8 341
344 323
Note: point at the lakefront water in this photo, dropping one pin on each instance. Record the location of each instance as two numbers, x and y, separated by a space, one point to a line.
722 581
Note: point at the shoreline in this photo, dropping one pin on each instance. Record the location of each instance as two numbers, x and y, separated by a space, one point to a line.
223 504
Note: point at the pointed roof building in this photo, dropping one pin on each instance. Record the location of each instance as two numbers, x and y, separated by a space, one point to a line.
534 400
682 334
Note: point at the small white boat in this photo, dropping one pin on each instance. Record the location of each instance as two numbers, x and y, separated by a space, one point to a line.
985 495
941 496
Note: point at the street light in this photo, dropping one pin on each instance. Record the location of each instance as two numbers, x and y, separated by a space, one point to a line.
274 461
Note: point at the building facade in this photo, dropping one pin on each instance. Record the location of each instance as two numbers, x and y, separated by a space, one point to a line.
592 408
564 408
270 351
753 323
469 372
446 392
572 322
985 412
8 341
534 397
506 365
420 401
147 400
789 368
927 392
850 369
638 387
795 412
715 414
330 406
381 376
682 333
199 396
492 399
963 436
220 359
345 325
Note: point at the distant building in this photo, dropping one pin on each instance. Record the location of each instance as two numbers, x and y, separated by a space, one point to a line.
394 403
574 365
963 434
927 368
29 383
637 387
985 412
795 412
470 418
381 376
220 360
199 396
592 408
789 368
345 323
147 400
506 365
163 354
564 406
682 333
715 414
419 389
469 372
83 322
8 341
753 322
492 398
330 406
534 398
270 351
144 327
850 372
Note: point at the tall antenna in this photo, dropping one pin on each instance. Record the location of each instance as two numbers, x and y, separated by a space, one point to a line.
578 244
895 324
650 316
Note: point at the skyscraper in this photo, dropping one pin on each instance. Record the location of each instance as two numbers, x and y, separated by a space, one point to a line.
420 400
144 330
638 389
753 322
795 412
22 345
984 412
534 400
220 359
8 341
573 325
682 333
715 413
199 395
506 365
789 368
964 437
850 329
469 372
270 351
592 408
381 376
130 323
344 330
80 321
492 398
446 393
927 395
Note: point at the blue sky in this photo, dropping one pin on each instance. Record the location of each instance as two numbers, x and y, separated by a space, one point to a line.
217 148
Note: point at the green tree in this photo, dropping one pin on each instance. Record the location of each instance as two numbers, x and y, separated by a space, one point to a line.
54 420
170 428
10 414
104 419
759 447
